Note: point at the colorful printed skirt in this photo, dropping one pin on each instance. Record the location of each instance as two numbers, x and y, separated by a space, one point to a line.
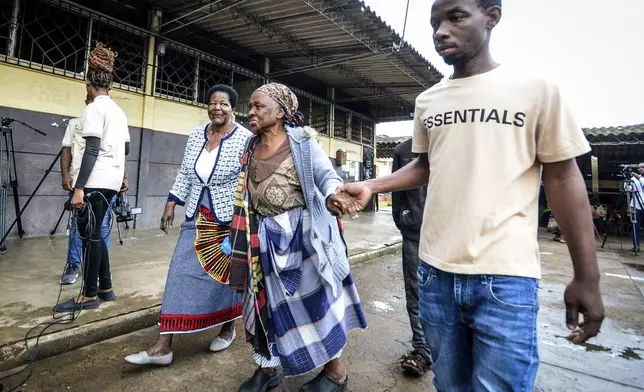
194 298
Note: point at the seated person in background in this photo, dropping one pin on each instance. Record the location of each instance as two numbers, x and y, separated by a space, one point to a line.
599 215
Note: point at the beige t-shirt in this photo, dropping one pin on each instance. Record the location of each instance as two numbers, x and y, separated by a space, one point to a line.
486 137
104 119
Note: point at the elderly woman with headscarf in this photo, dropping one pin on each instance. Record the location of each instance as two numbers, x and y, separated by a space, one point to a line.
289 257
197 295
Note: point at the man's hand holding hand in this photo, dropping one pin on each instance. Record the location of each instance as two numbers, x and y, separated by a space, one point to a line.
361 194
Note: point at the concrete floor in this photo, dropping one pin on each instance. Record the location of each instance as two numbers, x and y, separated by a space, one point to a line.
611 362
31 269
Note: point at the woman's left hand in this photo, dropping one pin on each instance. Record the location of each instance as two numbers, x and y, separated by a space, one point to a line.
78 200
337 203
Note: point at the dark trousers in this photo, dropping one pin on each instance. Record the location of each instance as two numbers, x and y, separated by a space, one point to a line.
410 274
96 256
639 217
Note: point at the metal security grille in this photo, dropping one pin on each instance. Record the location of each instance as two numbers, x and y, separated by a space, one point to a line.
319 118
356 132
51 38
367 132
6 8
340 129
244 87
131 46
177 75
56 36
210 75
304 108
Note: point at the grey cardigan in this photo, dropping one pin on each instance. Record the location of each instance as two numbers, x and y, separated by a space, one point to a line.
319 180
221 186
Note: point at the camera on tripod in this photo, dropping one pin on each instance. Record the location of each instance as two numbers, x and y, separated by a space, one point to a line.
626 170
123 210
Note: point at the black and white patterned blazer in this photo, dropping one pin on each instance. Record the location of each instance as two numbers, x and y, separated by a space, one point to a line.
188 186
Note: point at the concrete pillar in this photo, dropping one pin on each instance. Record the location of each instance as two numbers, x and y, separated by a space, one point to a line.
13 31
331 111
594 167
266 68
150 72
147 114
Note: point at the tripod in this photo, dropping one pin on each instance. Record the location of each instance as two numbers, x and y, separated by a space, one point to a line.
633 195
9 179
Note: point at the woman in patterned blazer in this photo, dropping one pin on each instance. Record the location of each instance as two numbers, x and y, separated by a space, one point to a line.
197 295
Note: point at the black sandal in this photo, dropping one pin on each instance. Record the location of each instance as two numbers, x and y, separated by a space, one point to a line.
416 363
323 383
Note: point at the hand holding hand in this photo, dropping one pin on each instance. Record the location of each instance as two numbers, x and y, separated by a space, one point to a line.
583 297
78 200
361 194
338 202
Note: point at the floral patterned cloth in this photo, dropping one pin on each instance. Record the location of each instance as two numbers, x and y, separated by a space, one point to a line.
274 185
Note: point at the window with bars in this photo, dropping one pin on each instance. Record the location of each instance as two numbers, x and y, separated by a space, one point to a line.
211 75
51 38
131 46
340 129
319 118
244 86
304 108
176 75
367 132
356 131
6 11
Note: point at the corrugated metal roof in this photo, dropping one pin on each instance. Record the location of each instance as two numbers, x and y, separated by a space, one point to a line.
385 145
619 130
353 48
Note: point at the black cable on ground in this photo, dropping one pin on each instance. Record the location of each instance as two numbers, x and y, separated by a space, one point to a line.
76 215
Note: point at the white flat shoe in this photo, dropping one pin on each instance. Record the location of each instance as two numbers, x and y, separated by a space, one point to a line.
219 344
143 358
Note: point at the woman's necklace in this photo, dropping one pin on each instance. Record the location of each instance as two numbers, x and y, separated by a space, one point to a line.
212 144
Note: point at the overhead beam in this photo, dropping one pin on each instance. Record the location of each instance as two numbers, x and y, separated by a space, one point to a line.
388 85
327 9
265 26
378 96
224 5
203 7
325 64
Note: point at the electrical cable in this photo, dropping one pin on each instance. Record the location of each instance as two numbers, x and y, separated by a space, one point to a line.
402 39
75 216
397 46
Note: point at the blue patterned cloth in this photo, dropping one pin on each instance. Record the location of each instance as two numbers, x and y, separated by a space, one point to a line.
308 324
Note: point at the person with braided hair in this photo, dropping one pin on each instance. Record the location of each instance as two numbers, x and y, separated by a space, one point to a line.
101 163
289 257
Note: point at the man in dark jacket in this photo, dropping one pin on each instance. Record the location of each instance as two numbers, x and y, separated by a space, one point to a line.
407 209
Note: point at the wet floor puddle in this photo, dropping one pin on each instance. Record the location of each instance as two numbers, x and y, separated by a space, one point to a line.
626 353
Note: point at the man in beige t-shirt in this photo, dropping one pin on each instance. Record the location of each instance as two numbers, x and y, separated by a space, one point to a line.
484 136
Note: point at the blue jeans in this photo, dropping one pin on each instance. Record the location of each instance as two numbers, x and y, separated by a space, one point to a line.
481 330
75 245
